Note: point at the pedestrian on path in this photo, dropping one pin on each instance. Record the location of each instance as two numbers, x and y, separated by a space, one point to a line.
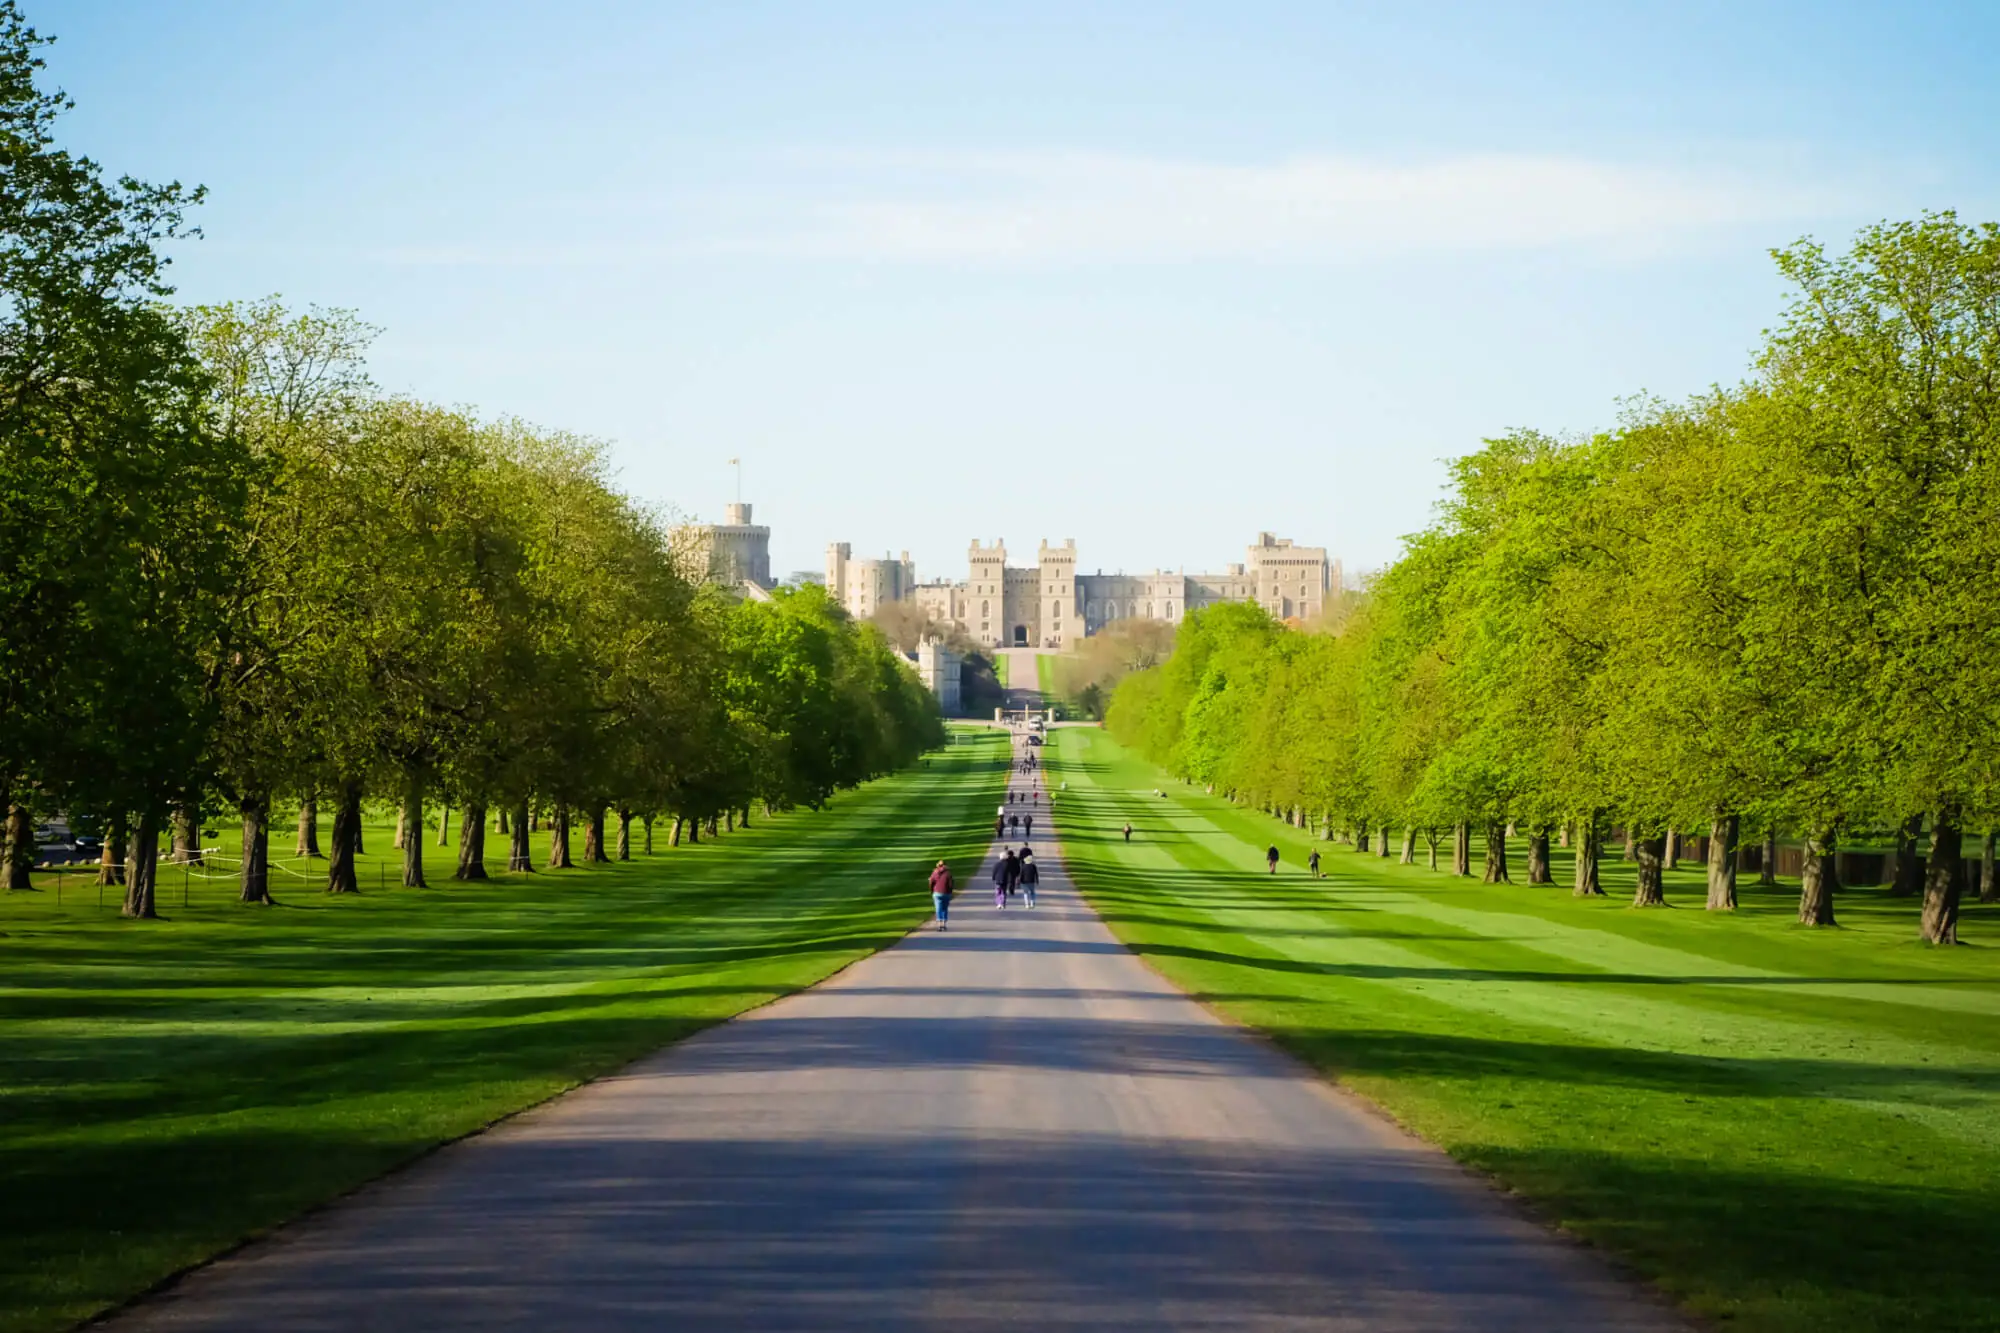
1128 833
999 826
941 890
1027 826
1030 875
1312 863
1271 859
1003 878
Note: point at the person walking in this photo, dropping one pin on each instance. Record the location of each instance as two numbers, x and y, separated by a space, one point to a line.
1128 833
941 890
1003 878
1013 874
999 826
1030 875
1014 822
1027 826
1312 863
1271 859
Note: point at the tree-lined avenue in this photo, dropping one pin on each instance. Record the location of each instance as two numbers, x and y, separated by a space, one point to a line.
1013 1124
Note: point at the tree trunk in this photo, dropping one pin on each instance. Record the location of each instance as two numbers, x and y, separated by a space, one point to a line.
1989 892
309 828
1631 850
187 834
1722 838
729 826
520 860
593 837
1431 840
341 876
1942 882
412 824
1651 854
646 821
1382 843
1589 881
1672 856
675 840
1409 857
625 833
402 828
559 837
21 848
1461 849
1361 840
1905 882
1538 856
1565 838
1817 880
444 826
500 820
1496 854
472 842
142 867
1767 872
535 820
253 879
743 819
111 859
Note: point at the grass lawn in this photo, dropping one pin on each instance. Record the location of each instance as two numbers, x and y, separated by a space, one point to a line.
1000 668
1045 679
171 1087
1784 1128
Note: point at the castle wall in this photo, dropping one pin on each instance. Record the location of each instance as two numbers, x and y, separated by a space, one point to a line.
1051 605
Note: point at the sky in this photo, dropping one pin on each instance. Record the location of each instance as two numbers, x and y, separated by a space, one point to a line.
1157 277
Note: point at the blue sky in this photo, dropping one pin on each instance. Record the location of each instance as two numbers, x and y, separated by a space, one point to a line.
1153 276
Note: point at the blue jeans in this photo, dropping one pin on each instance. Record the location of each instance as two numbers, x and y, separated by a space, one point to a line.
943 901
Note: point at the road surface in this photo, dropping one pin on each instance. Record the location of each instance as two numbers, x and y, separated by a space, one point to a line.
1014 1124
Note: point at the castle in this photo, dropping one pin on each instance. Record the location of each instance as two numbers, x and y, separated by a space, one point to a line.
1051 605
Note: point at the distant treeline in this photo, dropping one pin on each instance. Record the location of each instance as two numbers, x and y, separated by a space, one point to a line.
1772 608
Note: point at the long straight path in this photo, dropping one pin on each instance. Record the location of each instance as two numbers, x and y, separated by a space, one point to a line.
1011 1124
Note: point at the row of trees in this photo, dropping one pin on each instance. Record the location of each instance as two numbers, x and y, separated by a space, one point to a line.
233 573
1770 608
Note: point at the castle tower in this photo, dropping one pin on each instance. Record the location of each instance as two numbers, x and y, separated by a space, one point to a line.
986 593
837 556
1060 626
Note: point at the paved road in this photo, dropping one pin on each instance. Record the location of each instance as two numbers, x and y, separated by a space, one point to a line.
1014 1124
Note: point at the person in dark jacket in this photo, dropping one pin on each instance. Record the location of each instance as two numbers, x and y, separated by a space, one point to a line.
1003 878
1271 859
1030 875
941 890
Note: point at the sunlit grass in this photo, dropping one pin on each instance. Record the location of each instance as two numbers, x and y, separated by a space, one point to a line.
1785 1129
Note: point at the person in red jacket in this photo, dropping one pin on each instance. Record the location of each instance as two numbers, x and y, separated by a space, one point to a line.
941 890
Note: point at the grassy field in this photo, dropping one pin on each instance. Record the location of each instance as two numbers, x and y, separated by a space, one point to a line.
1000 661
1785 1129
1045 678
172 1087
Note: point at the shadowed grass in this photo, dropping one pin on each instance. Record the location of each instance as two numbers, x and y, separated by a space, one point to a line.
1786 1129
170 1088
